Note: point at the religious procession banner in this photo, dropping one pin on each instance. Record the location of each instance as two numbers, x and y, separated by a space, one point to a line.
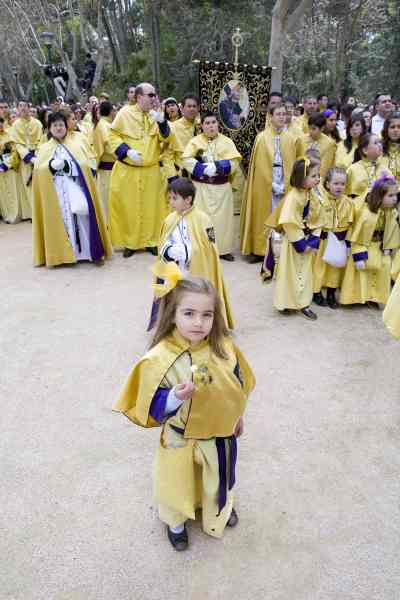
239 95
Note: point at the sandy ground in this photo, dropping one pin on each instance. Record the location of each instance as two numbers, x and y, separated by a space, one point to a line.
319 465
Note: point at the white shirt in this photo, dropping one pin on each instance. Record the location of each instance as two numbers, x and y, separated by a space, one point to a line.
377 124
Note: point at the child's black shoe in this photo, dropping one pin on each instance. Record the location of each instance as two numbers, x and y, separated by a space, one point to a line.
179 541
233 519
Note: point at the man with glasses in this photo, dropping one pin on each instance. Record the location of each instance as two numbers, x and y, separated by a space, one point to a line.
138 200
384 106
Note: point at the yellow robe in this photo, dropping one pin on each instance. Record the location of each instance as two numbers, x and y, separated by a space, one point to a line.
391 314
294 279
257 205
137 201
12 193
216 200
373 282
338 217
184 131
27 135
51 245
326 148
205 260
105 160
186 471
343 158
392 161
362 174
302 123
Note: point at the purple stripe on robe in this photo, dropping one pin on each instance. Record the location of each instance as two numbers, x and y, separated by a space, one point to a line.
360 256
3 168
198 170
313 241
220 443
216 180
154 313
106 166
171 179
95 241
29 156
223 167
300 245
158 404
341 235
164 129
232 463
270 262
122 151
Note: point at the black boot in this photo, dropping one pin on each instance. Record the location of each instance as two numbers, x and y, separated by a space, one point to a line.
319 299
331 298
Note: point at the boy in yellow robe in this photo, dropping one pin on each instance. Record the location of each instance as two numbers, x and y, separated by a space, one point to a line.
11 189
26 133
105 157
138 204
194 382
186 128
275 151
321 142
212 159
187 238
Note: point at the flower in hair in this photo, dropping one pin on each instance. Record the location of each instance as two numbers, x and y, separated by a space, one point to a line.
169 273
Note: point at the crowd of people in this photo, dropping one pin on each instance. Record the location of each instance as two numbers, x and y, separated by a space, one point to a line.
319 211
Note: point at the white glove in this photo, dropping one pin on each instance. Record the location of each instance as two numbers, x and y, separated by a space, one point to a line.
33 160
386 252
57 164
360 265
135 156
177 253
156 116
210 169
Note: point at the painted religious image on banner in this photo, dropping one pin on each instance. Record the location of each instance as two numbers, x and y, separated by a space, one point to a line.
234 105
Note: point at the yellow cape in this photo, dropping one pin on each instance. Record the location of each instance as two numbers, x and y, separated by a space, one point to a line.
215 408
51 245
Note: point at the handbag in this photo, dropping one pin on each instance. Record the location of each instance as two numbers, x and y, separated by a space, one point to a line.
335 251
77 199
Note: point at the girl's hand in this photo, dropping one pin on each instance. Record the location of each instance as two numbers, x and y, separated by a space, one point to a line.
239 427
184 391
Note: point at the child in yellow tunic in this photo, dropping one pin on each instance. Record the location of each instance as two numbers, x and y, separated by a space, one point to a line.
338 215
391 314
321 142
391 144
374 235
194 382
301 219
187 238
368 165
345 150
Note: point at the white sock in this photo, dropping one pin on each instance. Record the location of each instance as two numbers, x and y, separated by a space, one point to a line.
178 528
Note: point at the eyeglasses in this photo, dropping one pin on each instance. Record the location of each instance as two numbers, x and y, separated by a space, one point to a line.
150 95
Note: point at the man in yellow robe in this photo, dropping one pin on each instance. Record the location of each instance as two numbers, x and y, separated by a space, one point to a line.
105 158
272 146
26 133
11 189
138 203
212 159
187 127
317 140
310 106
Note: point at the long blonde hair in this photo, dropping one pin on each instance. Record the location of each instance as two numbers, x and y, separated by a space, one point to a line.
170 302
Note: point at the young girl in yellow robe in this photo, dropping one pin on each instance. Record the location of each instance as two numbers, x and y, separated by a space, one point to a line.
391 144
374 236
368 165
194 382
345 150
301 219
338 216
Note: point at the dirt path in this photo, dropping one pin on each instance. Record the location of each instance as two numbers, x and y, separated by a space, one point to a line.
319 465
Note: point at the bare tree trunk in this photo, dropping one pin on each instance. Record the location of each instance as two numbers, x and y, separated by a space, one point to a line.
154 10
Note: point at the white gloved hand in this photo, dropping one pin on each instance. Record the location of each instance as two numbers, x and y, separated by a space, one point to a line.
33 160
360 265
156 116
57 164
210 170
177 253
135 156
387 252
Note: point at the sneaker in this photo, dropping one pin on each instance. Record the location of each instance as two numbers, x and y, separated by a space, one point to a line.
309 314
179 541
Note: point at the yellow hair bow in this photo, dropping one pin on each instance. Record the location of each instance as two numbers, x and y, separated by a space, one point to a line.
170 273
307 163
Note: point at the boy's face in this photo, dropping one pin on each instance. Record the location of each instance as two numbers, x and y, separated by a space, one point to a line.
178 203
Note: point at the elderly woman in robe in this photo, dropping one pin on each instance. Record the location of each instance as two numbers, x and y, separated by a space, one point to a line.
68 222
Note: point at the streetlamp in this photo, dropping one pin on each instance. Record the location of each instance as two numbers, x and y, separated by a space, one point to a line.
47 38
